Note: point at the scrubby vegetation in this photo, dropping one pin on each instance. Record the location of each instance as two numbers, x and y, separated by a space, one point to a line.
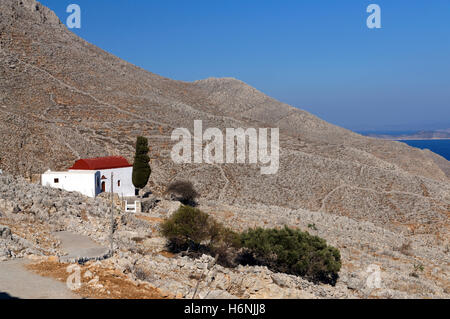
293 252
187 228
418 268
190 229
284 250
184 191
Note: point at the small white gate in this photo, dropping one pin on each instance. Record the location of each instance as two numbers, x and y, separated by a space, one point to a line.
131 208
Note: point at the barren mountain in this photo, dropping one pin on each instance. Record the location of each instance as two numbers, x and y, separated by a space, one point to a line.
62 99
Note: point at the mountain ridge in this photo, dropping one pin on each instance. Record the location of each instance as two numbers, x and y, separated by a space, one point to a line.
61 99
64 98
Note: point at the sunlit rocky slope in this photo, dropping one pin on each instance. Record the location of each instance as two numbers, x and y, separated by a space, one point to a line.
62 99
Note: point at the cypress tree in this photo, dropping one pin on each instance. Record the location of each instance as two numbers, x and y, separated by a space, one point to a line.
141 166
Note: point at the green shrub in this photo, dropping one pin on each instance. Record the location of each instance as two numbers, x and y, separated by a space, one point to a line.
224 244
191 228
221 235
293 252
188 226
281 250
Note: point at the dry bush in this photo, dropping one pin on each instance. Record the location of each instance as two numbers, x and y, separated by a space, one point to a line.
140 273
184 191
405 248
192 231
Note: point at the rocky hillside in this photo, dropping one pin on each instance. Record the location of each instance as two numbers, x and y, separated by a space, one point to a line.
62 99
410 267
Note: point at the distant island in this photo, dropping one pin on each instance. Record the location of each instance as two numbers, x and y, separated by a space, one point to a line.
437 141
415 135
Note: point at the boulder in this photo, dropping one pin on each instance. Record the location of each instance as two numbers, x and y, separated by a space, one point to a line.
5 254
149 204
354 282
5 232
283 280
15 209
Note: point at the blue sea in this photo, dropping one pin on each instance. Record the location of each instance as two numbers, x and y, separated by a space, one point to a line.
441 147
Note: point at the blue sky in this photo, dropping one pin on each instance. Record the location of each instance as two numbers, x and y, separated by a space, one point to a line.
316 55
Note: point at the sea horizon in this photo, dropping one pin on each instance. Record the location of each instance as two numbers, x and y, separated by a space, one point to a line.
438 146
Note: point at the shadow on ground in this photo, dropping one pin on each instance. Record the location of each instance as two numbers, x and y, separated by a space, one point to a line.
5 296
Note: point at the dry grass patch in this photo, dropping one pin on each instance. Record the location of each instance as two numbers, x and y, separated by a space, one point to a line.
167 254
111 283
152 220
349 266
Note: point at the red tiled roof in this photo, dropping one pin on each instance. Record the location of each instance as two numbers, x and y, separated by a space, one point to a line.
100 163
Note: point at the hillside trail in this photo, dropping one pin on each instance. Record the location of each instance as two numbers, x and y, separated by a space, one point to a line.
16 281
79 247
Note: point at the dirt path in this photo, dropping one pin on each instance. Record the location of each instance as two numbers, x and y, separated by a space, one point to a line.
79 247
18 282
